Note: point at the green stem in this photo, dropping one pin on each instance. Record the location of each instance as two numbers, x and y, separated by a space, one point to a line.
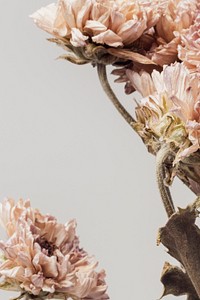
161 159
109 92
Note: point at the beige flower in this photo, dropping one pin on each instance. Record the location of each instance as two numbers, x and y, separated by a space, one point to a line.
114 23
81 25
179 15
42 257
189 50
170 108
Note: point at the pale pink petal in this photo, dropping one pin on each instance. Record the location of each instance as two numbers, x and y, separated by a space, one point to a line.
5 215
117 19
17 273
131 30
68 13
48 265
83 13
85 283
108 37
77 38
50 19
38 280
188 151
141 82
95 27
101 12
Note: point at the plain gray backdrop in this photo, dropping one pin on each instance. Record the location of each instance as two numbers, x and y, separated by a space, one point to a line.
63 145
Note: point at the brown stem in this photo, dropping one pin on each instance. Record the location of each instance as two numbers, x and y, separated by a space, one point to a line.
162 156
109 92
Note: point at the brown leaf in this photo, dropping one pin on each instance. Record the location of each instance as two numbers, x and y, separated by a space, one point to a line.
176 282
188 171
182 238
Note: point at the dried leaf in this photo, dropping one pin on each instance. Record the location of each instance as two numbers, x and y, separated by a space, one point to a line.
176 282
182 239
188 171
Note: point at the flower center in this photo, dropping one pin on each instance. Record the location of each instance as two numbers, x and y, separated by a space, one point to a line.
44 244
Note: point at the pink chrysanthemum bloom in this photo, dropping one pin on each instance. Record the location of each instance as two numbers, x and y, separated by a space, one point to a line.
189 50
168 117
169 110
179 15
161 44
42 258
87 24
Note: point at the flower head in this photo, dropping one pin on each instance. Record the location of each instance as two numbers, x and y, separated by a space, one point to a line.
170 108
109 23
114 23
189 49
179 15
42 257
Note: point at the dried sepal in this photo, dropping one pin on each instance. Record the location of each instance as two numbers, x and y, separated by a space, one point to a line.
7 286
130 55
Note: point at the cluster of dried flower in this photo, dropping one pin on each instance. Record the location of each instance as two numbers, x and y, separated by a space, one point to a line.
142 36
42 258
154 46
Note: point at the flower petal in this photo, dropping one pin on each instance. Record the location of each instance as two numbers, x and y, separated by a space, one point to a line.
50 19
77 38
109 38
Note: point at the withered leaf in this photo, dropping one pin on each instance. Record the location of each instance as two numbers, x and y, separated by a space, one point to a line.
177 282
188 171
182 239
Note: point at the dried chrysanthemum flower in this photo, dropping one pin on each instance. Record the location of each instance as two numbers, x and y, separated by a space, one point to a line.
169 111
42 258
87 28
179 15
161 44
189 50
168 121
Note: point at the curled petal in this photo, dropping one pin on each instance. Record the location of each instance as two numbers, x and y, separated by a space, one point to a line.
77 38
109 38
165 53
141 82
50 19
131 30
95 27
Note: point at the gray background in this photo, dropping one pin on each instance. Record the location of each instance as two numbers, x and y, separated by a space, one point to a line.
65 147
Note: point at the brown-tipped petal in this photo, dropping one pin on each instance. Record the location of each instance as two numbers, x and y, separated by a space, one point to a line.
129 55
